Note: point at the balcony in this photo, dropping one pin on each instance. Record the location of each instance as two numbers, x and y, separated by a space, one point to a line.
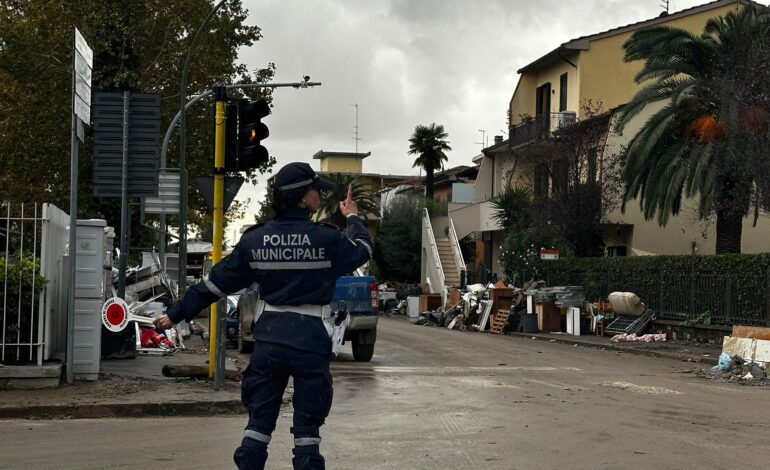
540 127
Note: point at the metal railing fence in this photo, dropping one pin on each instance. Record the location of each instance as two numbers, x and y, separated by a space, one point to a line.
32 239
727 299
20 283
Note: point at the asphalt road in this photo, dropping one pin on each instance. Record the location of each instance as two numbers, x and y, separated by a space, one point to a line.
438 399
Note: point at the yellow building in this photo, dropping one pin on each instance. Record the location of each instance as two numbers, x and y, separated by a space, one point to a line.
590 71
341 162
581 78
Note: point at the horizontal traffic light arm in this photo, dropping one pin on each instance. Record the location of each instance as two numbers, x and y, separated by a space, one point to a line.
244 86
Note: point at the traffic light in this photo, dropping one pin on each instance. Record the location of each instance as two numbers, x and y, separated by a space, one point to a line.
244 132
252 130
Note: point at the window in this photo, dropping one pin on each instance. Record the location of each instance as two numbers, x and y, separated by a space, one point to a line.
563 92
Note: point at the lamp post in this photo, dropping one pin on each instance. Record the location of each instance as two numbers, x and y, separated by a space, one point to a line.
182 160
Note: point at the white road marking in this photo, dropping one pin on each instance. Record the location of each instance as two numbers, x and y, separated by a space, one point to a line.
645 389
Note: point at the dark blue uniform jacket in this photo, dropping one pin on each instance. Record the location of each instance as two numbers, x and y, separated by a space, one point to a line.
296 262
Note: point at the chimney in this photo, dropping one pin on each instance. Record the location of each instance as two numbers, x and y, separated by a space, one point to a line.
498 139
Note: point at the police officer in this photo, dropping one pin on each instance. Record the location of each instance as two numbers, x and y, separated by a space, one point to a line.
296 263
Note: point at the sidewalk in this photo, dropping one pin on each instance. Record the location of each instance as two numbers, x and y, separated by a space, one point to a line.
133 388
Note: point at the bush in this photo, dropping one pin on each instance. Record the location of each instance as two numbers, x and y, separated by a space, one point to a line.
17 286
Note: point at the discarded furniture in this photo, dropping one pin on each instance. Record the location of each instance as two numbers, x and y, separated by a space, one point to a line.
631 314
600 313
499 321
548 316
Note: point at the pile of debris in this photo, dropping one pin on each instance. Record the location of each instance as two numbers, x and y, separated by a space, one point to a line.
736 369
745 356
149 292
472 311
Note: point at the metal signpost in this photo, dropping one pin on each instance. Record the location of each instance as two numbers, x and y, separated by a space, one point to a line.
82 64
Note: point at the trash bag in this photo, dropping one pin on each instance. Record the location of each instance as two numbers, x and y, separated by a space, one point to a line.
756 371
724 364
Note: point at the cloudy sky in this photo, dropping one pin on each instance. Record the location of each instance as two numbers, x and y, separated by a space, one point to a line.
409 62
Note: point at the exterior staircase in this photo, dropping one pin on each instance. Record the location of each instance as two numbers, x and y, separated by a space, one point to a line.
451 271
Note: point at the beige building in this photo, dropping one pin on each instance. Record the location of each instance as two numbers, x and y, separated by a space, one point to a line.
579 79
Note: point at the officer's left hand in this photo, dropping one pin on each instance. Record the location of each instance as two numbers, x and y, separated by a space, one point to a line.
163 321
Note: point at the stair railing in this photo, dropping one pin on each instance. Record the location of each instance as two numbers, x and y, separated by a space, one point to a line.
437 270
455 244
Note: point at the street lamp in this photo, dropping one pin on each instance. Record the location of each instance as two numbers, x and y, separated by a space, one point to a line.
182 160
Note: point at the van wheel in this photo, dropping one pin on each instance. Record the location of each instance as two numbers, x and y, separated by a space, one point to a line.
362 352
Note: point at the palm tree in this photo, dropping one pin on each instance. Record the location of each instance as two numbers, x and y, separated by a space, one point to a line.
692 145
512 208
360 192
429 143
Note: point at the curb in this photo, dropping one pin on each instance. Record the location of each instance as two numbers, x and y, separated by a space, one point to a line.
124 410
630 350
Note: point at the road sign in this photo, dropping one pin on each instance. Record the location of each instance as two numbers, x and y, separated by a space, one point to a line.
143 144
167 201
206 188
116 315
549 254
83 65
82 46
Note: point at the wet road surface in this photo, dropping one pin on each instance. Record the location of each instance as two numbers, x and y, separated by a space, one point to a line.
438 399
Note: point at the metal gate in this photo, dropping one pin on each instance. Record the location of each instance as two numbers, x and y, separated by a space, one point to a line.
32 242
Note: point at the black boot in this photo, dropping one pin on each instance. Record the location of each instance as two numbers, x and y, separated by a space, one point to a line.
308 458
251 455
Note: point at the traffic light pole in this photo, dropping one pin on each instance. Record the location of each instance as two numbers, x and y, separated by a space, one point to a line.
220 95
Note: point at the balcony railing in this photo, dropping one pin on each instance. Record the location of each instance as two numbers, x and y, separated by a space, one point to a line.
541 126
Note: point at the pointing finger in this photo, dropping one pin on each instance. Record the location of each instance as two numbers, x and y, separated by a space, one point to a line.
350 193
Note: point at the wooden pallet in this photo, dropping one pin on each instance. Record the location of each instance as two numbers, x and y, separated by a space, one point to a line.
498 323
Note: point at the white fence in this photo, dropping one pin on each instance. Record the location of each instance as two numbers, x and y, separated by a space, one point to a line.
33 324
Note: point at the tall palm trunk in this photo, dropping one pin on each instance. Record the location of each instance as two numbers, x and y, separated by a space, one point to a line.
429 183
733 200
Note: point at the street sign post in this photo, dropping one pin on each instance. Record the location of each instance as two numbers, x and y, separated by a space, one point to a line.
82 64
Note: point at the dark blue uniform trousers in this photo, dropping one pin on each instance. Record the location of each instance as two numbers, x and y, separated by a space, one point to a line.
262 389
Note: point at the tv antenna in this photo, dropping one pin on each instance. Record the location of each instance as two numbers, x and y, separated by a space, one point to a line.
483 139
355 128
666 5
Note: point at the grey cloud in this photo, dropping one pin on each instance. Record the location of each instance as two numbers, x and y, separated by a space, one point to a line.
409 62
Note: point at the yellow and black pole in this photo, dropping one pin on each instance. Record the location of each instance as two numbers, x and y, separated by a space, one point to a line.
220 96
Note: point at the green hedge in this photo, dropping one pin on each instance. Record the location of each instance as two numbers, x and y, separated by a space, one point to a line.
726 289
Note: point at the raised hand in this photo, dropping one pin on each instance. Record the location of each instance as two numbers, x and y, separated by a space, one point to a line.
348 206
